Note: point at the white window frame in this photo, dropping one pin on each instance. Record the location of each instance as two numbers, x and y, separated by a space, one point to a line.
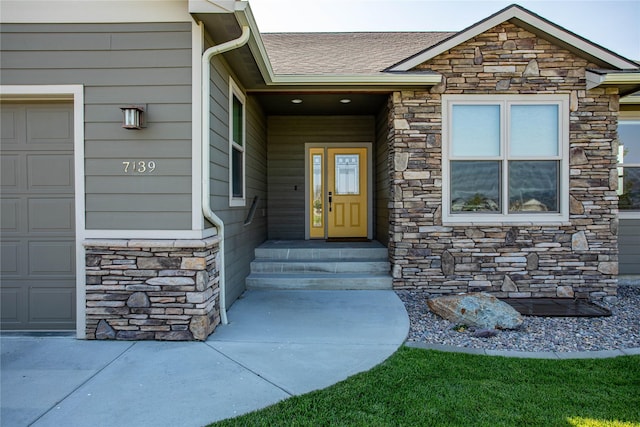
634 117
235 91
504 217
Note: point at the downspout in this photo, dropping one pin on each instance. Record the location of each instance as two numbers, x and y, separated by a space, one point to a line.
206 174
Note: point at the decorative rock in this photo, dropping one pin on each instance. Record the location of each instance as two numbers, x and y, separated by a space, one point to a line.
579 242
174 336
104 331
476 309
565 292
573 103
199 327
578 157
138 300
193 263
474 233
400 161
202 280
532 261
532 69
503 84
510 237
608 267
575 206
134 335
448 263
477 56
171 281
158 263
485 333
508 285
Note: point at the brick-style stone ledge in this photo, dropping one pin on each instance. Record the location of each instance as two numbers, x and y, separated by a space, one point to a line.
166 289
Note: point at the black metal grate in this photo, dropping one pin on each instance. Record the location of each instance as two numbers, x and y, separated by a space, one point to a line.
556 307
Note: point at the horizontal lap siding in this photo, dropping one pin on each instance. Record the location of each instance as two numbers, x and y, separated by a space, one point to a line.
381 199
119 64
629 246
287 137
240 239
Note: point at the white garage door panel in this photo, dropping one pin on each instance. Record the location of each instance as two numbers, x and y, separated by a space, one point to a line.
38 224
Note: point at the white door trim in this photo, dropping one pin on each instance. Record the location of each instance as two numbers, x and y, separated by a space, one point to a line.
75 93
307 194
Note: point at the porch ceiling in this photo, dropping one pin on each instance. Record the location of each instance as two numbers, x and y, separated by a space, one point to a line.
321 103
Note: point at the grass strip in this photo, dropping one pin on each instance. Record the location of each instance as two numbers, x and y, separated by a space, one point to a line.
422 387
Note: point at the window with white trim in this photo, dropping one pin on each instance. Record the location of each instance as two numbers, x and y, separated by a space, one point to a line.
505 158
237 146
629 165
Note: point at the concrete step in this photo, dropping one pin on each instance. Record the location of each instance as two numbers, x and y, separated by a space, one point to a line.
319 266
320 281
327 253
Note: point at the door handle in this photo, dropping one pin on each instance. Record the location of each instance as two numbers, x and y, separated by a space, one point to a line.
330 201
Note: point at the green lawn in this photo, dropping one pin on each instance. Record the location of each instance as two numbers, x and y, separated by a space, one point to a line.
417 387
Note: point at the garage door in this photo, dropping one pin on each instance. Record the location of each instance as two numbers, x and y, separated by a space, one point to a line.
37 217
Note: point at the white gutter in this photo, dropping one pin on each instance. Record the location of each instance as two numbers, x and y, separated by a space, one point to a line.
206 175
595 79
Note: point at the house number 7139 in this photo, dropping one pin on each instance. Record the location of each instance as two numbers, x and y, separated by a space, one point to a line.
138 166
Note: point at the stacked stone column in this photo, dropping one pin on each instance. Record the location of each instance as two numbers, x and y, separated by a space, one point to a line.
152 289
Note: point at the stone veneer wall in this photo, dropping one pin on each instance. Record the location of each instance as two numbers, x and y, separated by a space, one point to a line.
578 259
152 289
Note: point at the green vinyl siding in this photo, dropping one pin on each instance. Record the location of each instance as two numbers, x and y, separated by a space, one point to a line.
119 64
240 239
629 246
381 177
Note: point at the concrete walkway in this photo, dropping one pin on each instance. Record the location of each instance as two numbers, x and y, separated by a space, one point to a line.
277 344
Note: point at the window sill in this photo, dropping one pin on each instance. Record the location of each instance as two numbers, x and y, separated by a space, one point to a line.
237 203
629 214
528 221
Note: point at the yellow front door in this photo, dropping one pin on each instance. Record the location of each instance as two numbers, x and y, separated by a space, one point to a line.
339 192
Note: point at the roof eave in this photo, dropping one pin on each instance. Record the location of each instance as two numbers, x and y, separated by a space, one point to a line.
373 79
626 81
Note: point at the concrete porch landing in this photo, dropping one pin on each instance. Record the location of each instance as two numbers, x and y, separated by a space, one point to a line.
277 344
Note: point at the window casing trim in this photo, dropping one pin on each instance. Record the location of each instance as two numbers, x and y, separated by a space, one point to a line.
236 92
503 216
628 117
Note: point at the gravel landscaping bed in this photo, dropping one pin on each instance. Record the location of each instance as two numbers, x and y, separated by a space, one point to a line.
562 334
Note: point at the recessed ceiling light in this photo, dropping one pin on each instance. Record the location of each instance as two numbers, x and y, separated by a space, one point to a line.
345 100
297 101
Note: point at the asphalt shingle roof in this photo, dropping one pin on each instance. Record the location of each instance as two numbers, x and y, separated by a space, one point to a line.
344 53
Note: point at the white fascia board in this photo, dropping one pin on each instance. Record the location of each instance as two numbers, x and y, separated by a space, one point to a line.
356 79
531 20
206 6
92 11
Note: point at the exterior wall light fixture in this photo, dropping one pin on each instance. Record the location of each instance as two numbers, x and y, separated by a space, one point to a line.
133 116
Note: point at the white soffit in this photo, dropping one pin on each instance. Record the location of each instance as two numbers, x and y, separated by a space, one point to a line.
92 11
531 22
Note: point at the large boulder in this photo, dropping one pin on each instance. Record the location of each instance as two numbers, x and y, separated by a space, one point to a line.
478 309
